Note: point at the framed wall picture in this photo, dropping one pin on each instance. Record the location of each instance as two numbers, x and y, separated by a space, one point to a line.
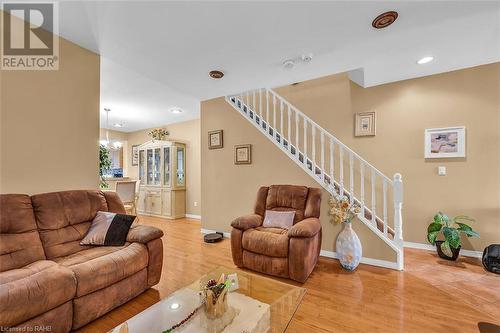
446 142
215 139
243 154
365 124
135 155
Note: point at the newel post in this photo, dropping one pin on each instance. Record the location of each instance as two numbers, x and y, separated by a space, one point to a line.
398 216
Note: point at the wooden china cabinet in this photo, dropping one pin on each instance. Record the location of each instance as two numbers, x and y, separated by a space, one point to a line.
162 179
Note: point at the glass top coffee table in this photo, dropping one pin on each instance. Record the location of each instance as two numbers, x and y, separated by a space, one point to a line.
259 305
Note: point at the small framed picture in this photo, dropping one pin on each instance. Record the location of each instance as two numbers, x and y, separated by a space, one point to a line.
215 139
365 124
243 154
446 142
135 155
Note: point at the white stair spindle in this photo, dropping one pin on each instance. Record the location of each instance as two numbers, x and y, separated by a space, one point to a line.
253 101
281 121
374 221
296 134
322 138
362 171
341 165
274 116
332 160
305 141
351 178
313 132
384 217
267 107
260 104
289 126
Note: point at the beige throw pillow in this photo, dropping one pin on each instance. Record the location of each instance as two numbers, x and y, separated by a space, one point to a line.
278 219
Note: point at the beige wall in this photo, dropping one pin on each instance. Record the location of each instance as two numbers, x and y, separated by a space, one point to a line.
187 132
404 109
50 125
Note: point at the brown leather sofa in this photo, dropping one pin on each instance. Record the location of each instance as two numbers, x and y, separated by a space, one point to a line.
48 280
285 253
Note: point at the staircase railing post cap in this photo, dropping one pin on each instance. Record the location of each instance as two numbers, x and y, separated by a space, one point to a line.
398 177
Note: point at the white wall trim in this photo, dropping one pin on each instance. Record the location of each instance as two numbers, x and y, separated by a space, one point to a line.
209 231
193 216
430 247
364 260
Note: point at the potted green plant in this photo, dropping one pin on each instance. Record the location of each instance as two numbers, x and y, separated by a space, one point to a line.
104 165
451 229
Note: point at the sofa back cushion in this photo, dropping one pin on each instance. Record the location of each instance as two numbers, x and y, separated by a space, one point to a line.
63 219
19 240
287 198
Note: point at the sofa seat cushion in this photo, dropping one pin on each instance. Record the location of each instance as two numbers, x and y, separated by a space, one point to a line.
100 267
32 290
272 242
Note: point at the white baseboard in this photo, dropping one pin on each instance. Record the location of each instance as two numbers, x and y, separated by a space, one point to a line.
193 216
430 247
209 231
364 260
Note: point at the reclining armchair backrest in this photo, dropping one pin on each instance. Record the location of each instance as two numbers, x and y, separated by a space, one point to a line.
63 218
19 240
306 202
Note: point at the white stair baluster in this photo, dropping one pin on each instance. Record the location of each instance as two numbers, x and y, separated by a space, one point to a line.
362 171
267 109
281 122
313 164
274 116
305 142
341 165
296 134
289 126
385 206
322 138
374 221
351 178
332 161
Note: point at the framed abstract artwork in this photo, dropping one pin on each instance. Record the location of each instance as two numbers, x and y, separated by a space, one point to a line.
215 139
135 155
446 142
243 154
365 124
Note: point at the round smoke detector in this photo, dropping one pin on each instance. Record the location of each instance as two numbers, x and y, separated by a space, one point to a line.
216 74
384 20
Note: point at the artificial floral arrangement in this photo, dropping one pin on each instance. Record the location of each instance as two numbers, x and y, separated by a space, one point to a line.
213 298
452 242
159 133
341 210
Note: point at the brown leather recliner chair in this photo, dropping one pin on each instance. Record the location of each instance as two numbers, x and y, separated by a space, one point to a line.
291 253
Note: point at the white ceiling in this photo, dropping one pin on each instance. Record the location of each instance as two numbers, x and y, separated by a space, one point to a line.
156 55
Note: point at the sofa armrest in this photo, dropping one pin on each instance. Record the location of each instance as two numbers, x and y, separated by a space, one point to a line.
143 234
305 228
247 222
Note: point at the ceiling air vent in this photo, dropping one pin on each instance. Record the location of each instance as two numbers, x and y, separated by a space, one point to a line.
384 20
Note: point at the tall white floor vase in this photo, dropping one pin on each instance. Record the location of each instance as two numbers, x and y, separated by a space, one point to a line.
348 247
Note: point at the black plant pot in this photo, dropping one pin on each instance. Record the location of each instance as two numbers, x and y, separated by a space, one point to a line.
455 252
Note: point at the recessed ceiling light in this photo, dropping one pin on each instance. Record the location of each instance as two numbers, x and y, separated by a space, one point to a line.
175 306
118 125
385 19
216 74
176 110
425 60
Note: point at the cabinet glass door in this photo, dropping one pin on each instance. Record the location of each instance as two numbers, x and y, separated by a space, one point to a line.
157 166
180 179
149 168
141 166
166 166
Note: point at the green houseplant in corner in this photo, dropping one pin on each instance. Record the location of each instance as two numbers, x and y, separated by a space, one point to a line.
449 248
104 165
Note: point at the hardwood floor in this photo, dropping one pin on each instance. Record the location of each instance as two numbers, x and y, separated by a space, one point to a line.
431 295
